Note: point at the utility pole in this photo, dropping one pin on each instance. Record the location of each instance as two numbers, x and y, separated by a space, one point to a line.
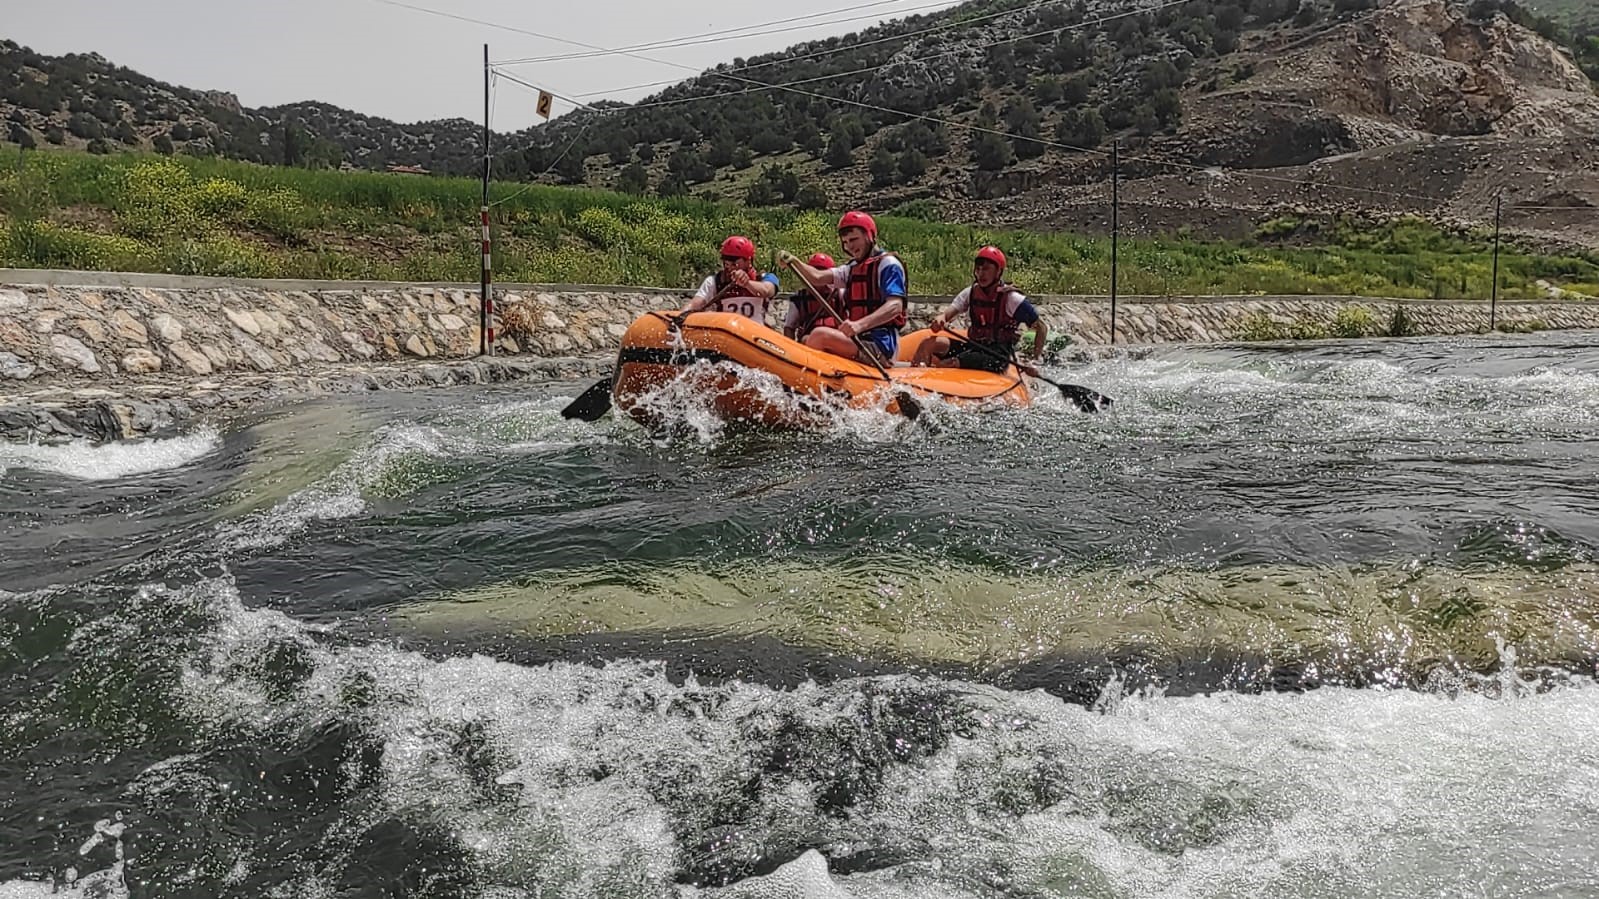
486 299
1493 297
1115 227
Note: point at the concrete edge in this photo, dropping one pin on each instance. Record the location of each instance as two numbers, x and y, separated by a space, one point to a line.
23 277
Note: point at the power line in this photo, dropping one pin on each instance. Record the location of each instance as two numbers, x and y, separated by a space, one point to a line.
859 44
712 37
1089 23
910 115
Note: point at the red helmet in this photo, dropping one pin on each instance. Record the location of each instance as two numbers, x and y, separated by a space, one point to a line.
858 219
742 247
820 260
992 254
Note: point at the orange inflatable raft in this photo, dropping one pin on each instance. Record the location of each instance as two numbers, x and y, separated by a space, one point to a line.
654 353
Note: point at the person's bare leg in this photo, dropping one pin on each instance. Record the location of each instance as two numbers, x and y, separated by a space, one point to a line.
929 349
832 340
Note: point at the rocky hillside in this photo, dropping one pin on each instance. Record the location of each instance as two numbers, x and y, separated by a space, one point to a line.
1227 113
84 101
1578 17
1416 107
1344 104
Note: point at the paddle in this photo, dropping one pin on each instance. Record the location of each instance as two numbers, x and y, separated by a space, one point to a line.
1085 399
593 403
908 406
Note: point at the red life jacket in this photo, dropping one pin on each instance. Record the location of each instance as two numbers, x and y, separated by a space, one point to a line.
991 322
812 314
864 293
739 300
726 289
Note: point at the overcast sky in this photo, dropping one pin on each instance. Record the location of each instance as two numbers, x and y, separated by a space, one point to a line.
408 65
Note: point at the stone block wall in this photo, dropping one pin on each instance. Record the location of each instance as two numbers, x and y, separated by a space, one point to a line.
85 326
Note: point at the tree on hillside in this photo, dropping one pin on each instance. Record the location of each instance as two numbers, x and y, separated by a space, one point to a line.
1080 127
1072 52
21 136
932 140
85 126
634 179
1000 65
838 153
811 196
1115 115
616 146
721 151
1047 89
1145 121
163 145
851 130
883 166
1077 90
569 168
1021 119
55 135
1158 74
770 141
912 165
295 143
991 152
687 165
1167 105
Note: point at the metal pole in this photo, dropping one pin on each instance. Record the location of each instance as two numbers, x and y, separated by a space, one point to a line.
1493 299
486 299
1115 227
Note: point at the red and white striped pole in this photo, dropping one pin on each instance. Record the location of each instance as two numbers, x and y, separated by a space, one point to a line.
487 316
486 303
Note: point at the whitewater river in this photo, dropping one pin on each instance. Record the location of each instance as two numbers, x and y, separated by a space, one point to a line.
1289 622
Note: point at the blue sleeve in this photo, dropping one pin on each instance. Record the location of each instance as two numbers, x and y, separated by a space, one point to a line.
891 279
770 278
1026 314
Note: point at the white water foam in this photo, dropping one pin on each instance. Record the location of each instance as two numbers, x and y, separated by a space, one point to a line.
620 776
89 461
339 494
107 883
685 406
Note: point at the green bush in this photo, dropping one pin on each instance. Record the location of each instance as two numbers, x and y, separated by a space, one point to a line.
1354 322
542 232
1400 324
1259 326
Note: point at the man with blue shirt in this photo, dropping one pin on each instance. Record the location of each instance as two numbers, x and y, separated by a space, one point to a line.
738 287
997 311
871 296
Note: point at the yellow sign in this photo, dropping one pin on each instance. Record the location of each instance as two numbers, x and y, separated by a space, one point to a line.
543 107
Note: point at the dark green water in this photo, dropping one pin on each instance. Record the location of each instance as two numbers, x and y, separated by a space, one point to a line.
1302 621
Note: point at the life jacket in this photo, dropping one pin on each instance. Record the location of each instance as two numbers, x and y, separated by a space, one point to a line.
812 314
739 300
991 322
863 295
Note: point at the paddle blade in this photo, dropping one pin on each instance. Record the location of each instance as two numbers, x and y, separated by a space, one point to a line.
592 403
908 406
1083 398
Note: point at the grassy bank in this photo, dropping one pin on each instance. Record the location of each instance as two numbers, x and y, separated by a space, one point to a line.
210 216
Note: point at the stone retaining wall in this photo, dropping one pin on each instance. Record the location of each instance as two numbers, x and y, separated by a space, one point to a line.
96 327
